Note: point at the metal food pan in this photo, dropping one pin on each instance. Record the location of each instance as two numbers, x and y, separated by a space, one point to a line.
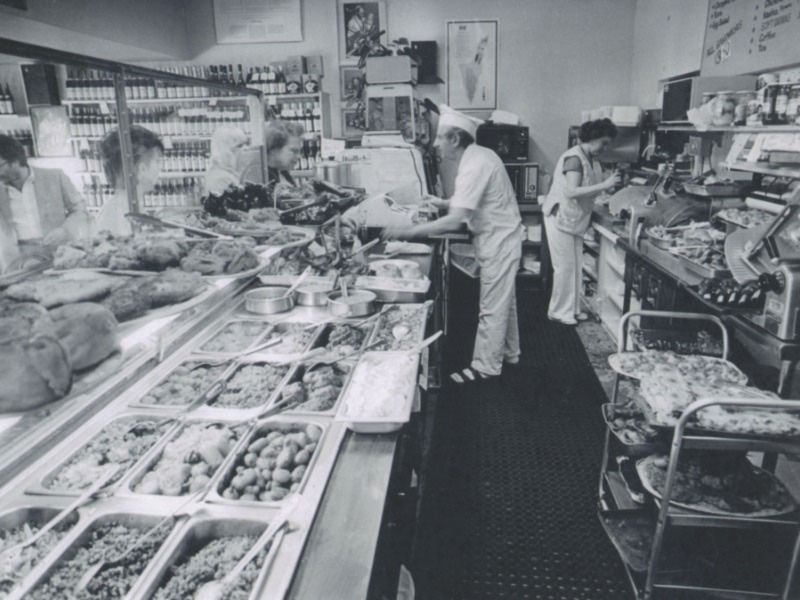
77 443
164 376
211 410
208 336
297 375
139 471
391 292
278 329
281 423
36 516
324 335
196 535
416 335
702 270
78 538
387 424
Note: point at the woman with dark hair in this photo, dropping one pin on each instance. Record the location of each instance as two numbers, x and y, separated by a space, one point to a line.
147 153
577 181
284 143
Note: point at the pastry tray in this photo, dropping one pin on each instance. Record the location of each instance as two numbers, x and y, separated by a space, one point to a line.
702 270
630 449
395 290
713 190
614 363
701 507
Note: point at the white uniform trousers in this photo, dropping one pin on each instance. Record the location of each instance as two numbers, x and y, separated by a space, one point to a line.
497 337
566 254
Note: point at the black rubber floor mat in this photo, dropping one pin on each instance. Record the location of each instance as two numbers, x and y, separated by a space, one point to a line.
509 509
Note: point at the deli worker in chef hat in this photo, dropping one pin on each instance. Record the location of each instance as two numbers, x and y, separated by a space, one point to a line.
484 199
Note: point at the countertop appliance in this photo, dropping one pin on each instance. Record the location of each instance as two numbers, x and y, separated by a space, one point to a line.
510 142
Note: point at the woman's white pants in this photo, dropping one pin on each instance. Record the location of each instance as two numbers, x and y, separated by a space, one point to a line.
566 254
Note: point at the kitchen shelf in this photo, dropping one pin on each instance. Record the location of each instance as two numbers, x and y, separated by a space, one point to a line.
292 96
732 129
764 169
182 136
159 100
161 174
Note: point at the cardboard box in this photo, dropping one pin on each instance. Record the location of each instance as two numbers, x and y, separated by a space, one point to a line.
295 65
314 65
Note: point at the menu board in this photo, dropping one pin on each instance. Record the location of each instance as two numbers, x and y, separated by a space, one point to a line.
749 36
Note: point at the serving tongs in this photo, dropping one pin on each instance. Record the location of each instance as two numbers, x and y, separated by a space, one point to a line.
215 590
156 222
93 570
90 495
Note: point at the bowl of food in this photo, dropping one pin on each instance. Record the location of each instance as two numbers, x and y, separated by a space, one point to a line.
269 300
357 303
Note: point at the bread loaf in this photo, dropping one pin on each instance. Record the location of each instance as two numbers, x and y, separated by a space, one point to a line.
33 372
88 332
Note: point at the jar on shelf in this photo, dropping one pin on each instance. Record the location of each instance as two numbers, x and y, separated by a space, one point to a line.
724 109
743 99
782 104
707 97
793 105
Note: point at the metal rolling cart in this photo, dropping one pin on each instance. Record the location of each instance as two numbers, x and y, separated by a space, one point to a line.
653 571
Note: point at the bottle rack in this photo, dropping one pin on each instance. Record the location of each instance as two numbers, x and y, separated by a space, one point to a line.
312 112
666 573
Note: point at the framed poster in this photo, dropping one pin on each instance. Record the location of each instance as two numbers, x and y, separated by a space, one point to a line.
245 21
358 25
351 82
50 126
472 65
353 125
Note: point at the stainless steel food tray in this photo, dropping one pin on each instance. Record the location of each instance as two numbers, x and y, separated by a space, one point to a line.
416 335
136 474
78 538
297 375
396 291
196 535
225 473
209 335
36 516
211 411
159 375
62 454
702 270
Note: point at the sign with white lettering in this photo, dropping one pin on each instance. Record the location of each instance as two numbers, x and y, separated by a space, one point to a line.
749 36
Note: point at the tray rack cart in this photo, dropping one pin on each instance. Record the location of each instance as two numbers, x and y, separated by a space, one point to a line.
653 582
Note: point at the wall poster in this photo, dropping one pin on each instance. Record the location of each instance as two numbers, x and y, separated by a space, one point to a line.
359 25
50 126
472 65
243 21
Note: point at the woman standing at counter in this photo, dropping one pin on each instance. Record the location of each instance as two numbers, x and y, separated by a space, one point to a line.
147 153
577 181
227 146
284 143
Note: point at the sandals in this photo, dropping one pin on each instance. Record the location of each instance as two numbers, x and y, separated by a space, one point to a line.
469 375
581 317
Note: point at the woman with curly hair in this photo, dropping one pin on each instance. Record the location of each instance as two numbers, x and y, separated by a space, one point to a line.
577 181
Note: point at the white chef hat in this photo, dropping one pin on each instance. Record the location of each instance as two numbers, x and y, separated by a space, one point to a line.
453 118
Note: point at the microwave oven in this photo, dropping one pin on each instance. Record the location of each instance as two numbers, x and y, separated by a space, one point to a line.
679 95
510 142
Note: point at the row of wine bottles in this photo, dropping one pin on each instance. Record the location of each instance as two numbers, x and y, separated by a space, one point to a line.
177 191
6 101
190 157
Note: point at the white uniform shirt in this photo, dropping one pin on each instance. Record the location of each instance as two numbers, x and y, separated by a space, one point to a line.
25 211
482 185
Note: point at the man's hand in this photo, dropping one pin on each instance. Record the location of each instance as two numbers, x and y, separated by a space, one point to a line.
397 232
